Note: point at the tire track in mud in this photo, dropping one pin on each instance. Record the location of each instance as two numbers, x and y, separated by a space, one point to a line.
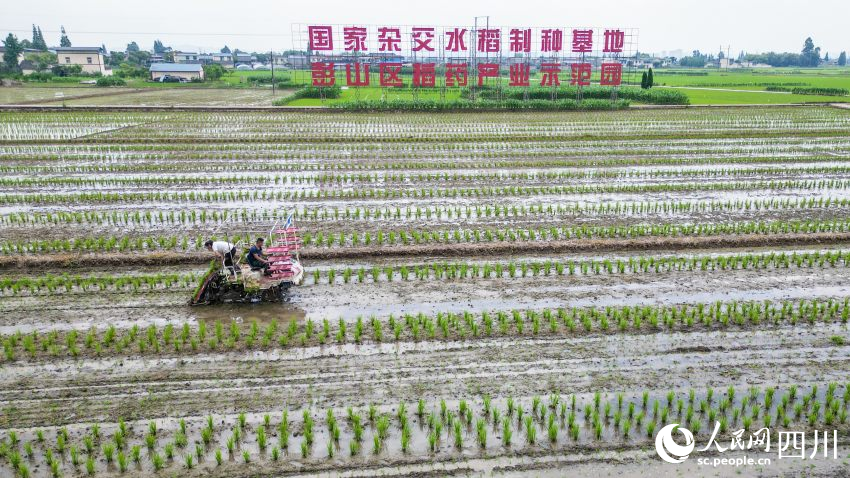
350 375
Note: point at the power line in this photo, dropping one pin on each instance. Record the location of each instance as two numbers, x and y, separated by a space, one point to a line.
75 32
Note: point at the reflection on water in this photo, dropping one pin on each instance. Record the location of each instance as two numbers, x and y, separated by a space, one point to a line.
262 313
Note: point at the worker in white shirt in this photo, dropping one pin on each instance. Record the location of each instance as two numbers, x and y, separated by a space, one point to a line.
223 250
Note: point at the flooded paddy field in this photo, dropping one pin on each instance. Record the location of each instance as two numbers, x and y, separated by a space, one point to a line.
499 294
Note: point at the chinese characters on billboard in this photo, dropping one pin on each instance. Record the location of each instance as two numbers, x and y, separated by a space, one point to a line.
457 57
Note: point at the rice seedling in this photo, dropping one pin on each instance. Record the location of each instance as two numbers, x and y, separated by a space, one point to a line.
108 451
458 435
122 462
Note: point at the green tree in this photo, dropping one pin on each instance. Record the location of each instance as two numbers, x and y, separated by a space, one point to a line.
842 58
42 60
115 58
38 42
650 81
64 42
132 47
225 50
810 56
643 81
213 72
13 49
41 40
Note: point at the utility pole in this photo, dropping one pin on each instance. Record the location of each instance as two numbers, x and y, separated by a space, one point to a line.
271 58
473 47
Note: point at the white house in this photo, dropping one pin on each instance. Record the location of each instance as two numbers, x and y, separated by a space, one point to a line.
90 58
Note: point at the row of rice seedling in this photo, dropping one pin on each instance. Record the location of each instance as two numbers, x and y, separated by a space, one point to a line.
330 179
554 233
645 152
49 284
247 127
418 193
146 217
471 162
586 267
449 428
455 236
200 337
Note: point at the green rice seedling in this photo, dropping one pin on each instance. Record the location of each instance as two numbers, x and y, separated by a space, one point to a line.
24 471
218 458
39 436
150 441
405 438
458 435
108 451
169 450
90 465
122 462
376 444
28 450
158 462
432 441
246 456
75 456
190 461
15 457
650 429
242 421
261 437
358 329
357 428
481 431
530 430
553 432
199 451
136 453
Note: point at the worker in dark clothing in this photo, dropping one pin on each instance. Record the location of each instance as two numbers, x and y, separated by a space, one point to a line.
256 259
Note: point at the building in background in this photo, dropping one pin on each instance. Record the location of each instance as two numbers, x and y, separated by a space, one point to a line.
186 57
187 71
90 59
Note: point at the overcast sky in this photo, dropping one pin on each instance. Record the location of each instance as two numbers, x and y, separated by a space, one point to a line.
665 25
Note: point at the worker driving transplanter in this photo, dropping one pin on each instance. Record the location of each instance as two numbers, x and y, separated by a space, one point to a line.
252 274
